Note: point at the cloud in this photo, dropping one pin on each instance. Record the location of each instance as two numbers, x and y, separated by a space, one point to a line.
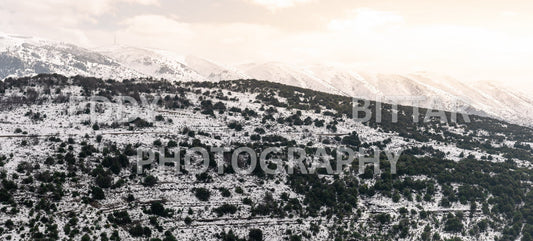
60 20
365 20
225 42
156 26
276 4
143 2
65 12
509 14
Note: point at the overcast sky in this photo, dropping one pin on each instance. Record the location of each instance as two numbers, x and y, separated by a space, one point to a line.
468 39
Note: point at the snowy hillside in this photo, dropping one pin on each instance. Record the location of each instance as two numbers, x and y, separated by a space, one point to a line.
69 172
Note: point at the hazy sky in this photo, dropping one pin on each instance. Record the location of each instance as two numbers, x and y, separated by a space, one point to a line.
468 39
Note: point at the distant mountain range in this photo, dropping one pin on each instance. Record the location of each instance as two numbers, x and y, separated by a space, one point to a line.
23 56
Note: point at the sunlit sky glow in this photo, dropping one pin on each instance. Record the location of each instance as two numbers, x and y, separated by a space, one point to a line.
468 39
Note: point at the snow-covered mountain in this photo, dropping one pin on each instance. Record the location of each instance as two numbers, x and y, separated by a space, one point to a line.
435 90
212 70
158 64
513 106
289 75
168 65
22 56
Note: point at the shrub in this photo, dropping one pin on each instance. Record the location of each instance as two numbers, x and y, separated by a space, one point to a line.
103 181
137 231
225 209
119 217
97 193
383 218
149 181
86 238
158 209
225 192
255 235
202 194
188 220
453 225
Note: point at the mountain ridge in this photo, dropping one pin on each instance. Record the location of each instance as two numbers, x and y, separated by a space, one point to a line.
22 56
